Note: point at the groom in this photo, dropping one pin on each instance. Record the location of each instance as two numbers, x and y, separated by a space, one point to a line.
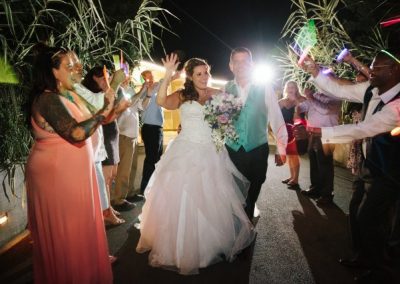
260 106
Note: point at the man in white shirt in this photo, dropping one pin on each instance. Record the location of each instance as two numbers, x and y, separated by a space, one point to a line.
322 111
379 186
260 107
128 124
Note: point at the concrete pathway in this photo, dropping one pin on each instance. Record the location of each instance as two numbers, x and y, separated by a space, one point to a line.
297 242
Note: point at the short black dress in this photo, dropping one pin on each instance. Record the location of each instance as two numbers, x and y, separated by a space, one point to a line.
111 143
288 115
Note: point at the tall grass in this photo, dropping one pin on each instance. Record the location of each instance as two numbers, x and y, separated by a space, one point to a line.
15 139
331 36
80 25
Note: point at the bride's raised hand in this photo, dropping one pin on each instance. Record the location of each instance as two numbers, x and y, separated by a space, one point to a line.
170 62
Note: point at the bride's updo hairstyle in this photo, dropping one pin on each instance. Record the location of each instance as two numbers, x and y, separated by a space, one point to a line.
189 93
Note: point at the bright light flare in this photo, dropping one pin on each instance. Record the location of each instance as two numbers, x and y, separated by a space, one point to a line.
263 73
3 218
395 131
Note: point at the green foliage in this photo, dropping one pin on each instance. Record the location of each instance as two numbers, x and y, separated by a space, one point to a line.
95 40
361 16
25 23
332 36
79 25
14 135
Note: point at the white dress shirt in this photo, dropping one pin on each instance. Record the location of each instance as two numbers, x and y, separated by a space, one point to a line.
275 117
373 124
96 100
322 111
128 121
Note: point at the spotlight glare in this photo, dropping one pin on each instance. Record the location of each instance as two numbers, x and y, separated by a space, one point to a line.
263 73
3 218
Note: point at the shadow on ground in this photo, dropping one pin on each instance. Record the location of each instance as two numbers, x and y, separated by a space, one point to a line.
323 236
133 267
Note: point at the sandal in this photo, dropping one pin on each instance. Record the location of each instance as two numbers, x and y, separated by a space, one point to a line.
117 213
286 180
294 186
113 221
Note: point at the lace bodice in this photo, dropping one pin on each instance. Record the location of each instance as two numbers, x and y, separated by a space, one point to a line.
194 127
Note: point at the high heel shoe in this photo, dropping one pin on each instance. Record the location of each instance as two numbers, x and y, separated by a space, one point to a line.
112 259
293 186
286 180
113 221
117 213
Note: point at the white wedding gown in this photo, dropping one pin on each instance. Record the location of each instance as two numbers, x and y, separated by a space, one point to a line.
193 215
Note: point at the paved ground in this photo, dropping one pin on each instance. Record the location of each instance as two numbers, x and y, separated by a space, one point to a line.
297 242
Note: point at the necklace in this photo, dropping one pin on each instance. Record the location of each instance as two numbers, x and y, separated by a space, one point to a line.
68 96
203 97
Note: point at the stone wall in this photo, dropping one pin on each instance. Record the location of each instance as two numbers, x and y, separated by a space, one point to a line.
341 154
15 207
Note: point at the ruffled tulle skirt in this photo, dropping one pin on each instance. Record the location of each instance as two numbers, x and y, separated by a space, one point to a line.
193 215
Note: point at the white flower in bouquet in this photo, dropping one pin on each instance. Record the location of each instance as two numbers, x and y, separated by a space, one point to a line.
221 111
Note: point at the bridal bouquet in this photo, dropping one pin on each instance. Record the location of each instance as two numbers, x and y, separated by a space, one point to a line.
221 111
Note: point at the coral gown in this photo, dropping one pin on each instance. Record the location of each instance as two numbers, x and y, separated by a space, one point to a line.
64 213
193 215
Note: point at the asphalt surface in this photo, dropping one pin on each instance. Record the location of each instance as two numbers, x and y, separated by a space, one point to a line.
297 241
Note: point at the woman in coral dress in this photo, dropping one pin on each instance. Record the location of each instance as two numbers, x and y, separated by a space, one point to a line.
64 212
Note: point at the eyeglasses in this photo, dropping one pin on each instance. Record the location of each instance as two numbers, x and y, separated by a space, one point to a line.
373 67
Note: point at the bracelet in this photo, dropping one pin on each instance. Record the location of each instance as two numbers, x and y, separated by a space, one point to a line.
99 118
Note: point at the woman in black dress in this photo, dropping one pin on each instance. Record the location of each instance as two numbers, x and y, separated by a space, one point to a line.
291 98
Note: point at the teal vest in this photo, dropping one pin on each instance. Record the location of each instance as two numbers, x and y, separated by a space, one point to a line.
251 126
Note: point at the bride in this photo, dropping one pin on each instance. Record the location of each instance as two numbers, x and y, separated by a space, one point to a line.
193 215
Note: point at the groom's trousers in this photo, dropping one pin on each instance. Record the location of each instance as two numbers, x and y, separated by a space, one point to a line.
253 165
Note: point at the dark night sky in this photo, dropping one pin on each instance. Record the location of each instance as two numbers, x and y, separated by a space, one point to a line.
208 29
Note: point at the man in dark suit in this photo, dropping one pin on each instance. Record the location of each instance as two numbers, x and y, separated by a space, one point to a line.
378 185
